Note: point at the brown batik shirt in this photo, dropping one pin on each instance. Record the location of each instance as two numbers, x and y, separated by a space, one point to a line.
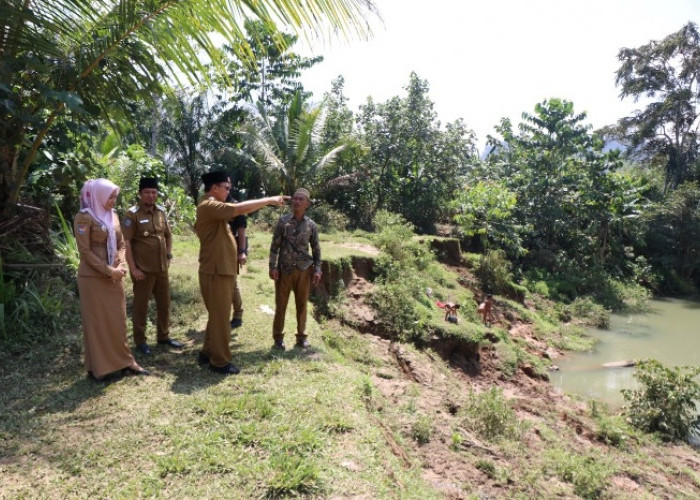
290 245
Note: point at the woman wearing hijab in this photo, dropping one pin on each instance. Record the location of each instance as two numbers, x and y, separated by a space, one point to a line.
102 269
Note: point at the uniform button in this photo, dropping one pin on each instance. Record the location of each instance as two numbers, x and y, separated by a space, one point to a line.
145 233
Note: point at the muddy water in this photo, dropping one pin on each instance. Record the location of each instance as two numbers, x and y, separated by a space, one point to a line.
669 333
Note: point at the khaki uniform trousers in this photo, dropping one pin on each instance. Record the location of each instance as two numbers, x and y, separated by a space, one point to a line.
156 284
299 282
217 292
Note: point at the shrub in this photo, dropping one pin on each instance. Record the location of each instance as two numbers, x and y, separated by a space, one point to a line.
611 430
489 414
619 295
422 429
64 243
328 219
33 307
395 302
587 474
585 309
494 272
401 276
487 467
393 234
665 402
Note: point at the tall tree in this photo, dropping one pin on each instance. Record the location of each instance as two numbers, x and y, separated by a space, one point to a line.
346 182
271 75
570 201
89 57
673 236
667 73
416 166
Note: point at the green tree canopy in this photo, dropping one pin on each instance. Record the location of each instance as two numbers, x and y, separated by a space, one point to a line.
573 207
666 73
90 58
415 165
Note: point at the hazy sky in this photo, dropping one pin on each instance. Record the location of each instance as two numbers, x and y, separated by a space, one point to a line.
489 59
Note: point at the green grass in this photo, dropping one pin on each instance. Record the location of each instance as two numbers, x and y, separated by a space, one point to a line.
285 426
341 420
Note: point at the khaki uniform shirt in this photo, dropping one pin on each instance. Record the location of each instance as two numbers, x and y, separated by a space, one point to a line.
217 246
290 245
91 239
148 231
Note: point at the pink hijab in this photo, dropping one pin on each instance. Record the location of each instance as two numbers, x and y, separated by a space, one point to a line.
93 198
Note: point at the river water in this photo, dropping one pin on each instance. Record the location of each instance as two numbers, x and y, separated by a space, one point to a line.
669 333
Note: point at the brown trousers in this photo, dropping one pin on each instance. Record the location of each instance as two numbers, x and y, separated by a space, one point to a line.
300 283
217 292
156 284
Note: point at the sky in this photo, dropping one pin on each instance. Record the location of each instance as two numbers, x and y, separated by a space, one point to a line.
489 59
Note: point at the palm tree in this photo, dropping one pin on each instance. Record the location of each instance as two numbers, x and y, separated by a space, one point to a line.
91 58
287 145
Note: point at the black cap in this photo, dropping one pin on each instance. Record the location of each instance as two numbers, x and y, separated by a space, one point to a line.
211 178
148 183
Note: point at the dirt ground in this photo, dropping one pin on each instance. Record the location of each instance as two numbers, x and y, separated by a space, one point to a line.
439 387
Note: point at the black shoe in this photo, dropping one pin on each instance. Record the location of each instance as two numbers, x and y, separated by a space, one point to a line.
279 345
302 344
202 359
236 323
133 371
171 343
144 348
227 369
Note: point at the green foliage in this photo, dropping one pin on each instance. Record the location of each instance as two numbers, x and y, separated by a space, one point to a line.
64 243
487 467
485 210
395 302
665 73
127 169
284 144
494 272
88 59
187 138
508 358
346 183
402 277
293 475
612 431
576 213
329 219
570 337
585 309
622 295
665 402
490 415
673 237
33 306
589 475
393 233
422 429
413 166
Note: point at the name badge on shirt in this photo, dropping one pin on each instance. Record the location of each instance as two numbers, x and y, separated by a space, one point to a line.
145 221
